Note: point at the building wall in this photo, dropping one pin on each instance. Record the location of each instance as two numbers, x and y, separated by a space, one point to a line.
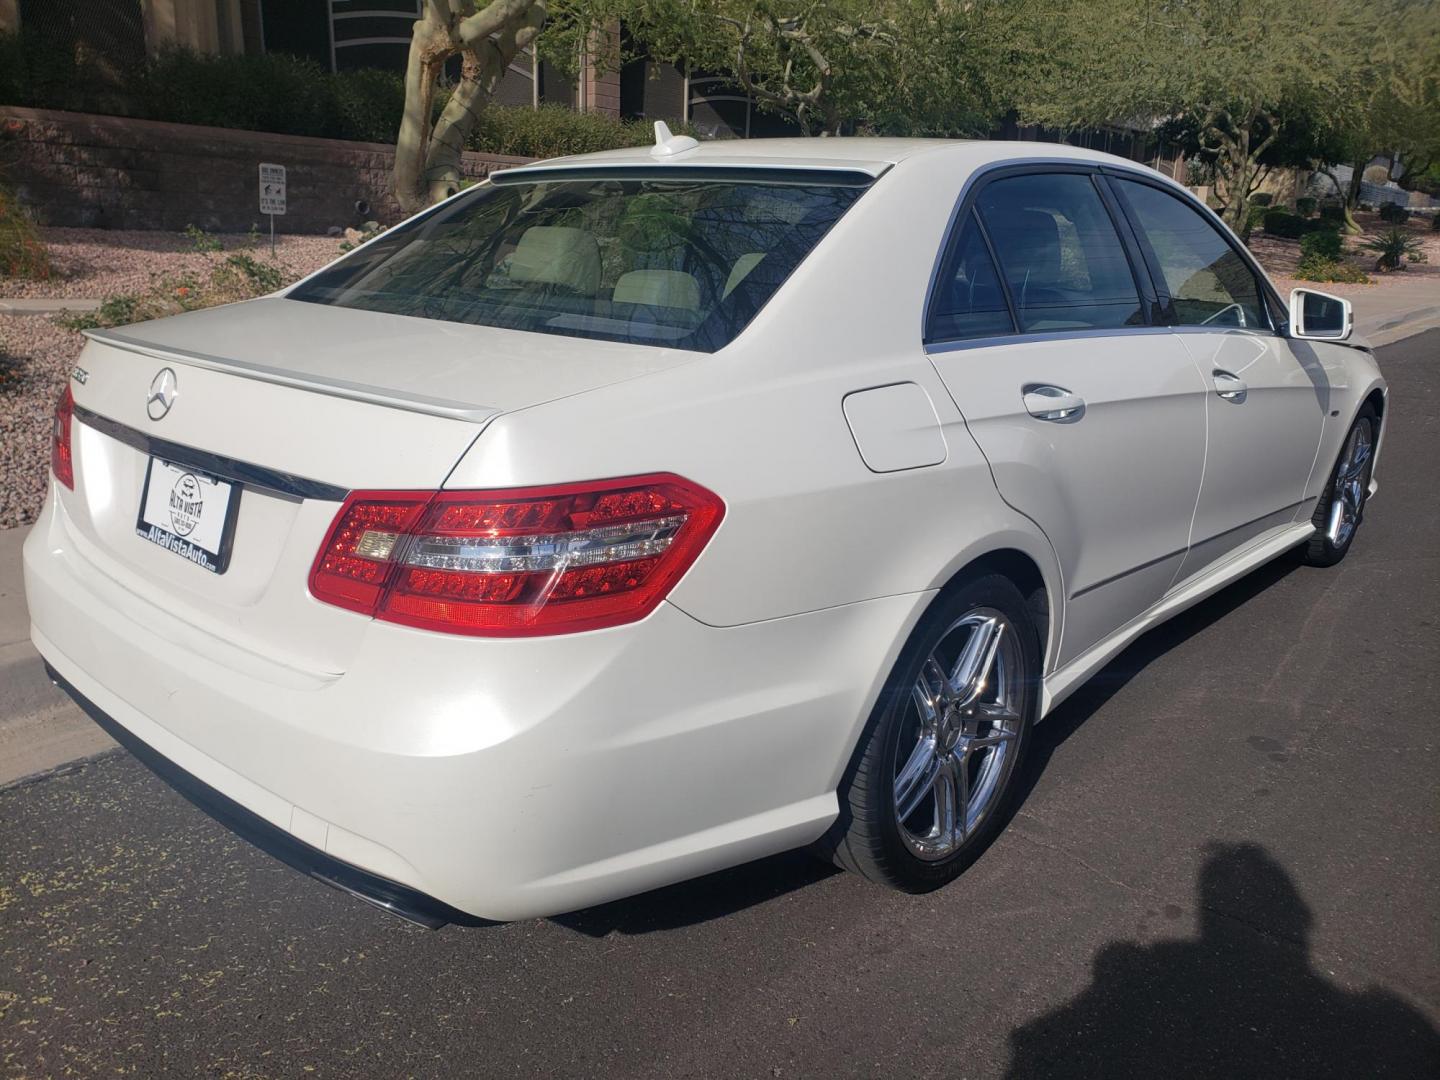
102 171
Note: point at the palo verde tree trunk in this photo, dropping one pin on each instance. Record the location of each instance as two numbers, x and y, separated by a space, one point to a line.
486 38
1237 149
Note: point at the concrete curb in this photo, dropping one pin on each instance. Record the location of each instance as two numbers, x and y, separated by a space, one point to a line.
40 728
46 305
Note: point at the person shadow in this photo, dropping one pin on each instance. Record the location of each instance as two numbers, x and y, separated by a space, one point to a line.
1241 1000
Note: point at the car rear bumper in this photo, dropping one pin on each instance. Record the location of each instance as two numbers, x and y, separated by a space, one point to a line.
391 896
504 779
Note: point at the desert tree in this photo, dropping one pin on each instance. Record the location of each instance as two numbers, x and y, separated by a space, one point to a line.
487 39
827 66
1394 102
1229 70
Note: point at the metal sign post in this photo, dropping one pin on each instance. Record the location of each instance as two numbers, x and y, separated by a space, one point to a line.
272 196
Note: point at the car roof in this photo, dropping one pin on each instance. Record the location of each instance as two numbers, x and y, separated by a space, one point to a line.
872 156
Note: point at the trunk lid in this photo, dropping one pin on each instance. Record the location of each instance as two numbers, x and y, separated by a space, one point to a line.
292 404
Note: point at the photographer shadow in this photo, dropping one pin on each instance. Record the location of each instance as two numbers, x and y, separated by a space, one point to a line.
1242 999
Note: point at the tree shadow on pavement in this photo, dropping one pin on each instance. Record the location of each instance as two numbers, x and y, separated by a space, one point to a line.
1242 999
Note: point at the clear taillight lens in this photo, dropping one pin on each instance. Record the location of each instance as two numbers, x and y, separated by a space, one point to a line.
549 560
62 459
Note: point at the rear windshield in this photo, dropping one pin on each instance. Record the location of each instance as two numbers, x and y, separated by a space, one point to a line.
683 261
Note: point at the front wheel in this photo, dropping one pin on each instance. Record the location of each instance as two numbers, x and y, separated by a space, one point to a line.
1342 504
939 762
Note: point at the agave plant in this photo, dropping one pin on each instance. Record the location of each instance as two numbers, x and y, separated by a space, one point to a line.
1394 246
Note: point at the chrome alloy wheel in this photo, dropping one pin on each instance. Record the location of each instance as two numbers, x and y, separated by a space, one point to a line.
960 740
1352 476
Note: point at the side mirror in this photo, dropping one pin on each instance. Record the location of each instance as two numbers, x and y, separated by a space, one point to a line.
1319 316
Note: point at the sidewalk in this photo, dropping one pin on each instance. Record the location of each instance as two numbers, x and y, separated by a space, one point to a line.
1397 309
46 305
40 727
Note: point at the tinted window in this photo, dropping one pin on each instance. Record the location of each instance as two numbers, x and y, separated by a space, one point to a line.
658 260
969 301
1059 252
1209 283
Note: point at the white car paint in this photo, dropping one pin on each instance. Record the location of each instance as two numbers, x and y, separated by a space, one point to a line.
861 472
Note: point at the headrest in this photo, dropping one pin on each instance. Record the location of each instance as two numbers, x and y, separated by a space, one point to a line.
658 288
557 255
1029 245
741 270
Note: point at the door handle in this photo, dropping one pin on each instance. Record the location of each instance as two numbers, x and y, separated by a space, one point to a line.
1229 385
1053 403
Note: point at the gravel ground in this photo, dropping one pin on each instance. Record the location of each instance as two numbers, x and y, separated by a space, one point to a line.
1280 256
36 354
99 263
42 353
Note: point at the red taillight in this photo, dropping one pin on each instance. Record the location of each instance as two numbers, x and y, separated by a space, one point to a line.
552 560
62 460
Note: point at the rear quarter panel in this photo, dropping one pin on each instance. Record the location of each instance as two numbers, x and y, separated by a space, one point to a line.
762 423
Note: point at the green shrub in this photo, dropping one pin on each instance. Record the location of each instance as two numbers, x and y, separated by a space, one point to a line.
1305 206
236 277
553 131
1394 247
281 93
1333 212
1324 243
270 92
22 252
367 104
202 241
1435 221
1319 268
246 274
113 311
1283 223
1394 214
1262 198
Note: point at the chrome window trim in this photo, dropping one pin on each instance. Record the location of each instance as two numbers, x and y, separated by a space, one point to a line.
965 200
240 472
934 348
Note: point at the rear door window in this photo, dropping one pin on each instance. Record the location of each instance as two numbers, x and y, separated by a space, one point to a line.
1209 283
969 301
1060 254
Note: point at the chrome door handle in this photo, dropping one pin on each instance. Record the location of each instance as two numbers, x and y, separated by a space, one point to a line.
1229 385
1053 403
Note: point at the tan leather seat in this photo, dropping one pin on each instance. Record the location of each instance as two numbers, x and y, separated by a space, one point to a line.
557 255
658 288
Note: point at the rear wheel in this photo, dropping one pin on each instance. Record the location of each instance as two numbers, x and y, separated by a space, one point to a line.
937 768
1342 504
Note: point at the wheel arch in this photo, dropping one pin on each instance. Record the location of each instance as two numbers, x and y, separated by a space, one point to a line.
1026 567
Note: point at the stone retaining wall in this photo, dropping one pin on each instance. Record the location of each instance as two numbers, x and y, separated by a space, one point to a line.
111 172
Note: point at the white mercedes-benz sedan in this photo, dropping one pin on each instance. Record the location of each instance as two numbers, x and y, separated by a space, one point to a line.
630 516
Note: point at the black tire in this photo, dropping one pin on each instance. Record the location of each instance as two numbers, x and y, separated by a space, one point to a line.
1323 549
869 838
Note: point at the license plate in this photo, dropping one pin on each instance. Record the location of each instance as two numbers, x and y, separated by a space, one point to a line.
190 513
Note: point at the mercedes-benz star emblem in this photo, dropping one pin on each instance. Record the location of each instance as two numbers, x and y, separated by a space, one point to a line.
163 392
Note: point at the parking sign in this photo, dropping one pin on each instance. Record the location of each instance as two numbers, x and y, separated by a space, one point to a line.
272 189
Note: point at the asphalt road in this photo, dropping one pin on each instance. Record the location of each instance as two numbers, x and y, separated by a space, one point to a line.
1228 864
